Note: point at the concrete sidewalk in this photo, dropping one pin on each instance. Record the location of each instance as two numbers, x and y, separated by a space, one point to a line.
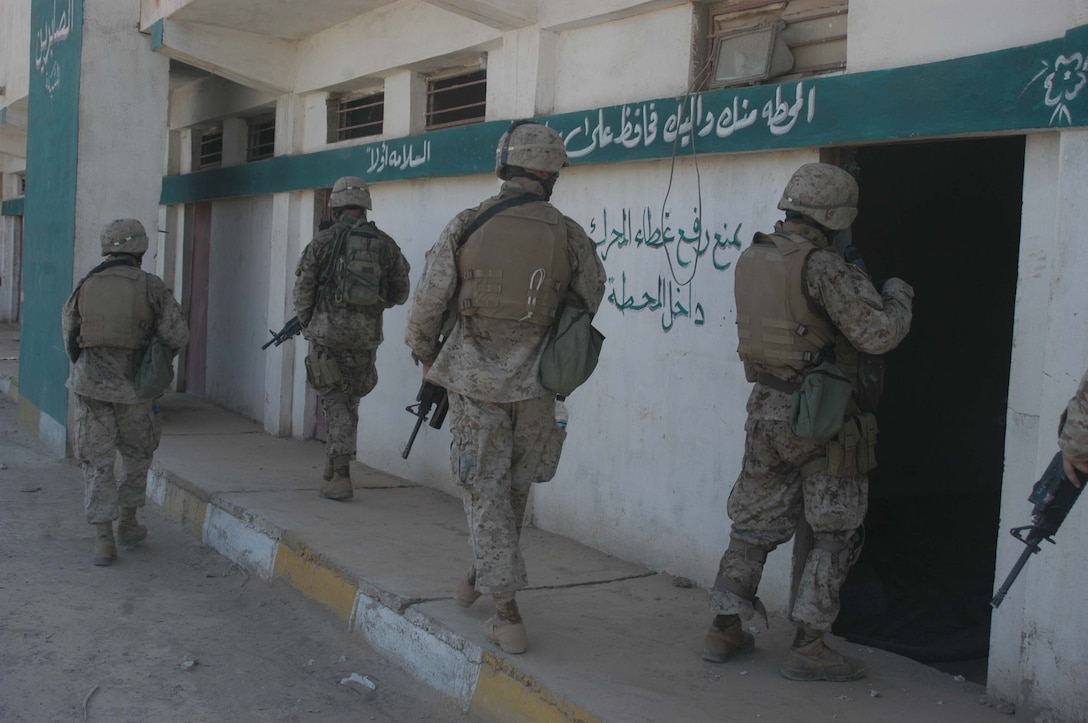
608 639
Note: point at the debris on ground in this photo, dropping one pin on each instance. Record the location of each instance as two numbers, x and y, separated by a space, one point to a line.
361 684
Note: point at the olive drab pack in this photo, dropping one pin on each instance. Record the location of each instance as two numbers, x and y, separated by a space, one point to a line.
515 266
114 310
357 275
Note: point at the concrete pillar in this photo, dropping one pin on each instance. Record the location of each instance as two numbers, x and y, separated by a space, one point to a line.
405 104
235 140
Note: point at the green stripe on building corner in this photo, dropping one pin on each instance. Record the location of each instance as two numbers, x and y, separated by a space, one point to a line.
1035 87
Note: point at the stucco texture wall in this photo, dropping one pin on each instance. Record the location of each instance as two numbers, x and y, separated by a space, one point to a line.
238 303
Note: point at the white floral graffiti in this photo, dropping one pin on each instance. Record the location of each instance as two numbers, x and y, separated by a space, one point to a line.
1062 82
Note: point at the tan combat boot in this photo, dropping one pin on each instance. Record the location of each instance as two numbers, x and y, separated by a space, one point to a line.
466 590
811 659
327 474
105 551
506 629
339 487
129 531
726 639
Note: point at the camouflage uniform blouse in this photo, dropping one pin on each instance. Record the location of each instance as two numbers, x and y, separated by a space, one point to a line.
493 360
1073 439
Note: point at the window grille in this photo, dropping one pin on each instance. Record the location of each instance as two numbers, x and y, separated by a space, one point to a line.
210 154
359 116
261 139
456 100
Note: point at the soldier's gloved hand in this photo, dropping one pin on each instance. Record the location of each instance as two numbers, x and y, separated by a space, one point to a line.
899 290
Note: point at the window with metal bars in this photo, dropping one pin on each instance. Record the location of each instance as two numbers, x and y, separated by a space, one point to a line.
357 116
456 100
210 153
22 185
813 31
261 138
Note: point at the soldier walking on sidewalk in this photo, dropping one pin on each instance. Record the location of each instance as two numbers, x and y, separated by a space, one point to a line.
349 274
108 322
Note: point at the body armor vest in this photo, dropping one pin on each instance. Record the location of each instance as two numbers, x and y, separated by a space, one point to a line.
357 274
113 309
515 266
776 323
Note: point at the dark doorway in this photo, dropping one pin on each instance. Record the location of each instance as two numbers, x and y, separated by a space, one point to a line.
199 270
945 216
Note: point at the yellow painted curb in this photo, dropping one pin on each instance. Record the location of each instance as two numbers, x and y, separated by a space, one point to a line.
186 508
506 694
315 581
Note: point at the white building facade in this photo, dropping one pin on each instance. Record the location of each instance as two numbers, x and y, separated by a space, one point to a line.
222 122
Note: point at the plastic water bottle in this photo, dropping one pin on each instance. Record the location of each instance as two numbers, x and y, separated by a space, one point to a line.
561 413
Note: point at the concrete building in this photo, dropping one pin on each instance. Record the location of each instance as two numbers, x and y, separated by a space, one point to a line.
222 123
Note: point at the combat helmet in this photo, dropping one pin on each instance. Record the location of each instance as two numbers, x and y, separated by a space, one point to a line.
827 194
350 191
124 236
530 145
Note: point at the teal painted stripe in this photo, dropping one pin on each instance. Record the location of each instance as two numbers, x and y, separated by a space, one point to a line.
156 35
12 207
1034 87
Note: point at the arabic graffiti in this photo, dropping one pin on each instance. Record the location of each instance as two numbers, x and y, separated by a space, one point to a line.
685 247
382 156
642 125
53 31
1062 82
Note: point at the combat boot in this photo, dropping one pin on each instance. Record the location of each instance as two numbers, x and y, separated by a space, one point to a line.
811 659
129 531
327 474
339 487
726 638
466 590
105 551
505 629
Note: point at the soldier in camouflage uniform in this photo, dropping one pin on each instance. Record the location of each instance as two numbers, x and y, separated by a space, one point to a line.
348 275
799 303
1073 433
108 323
505 436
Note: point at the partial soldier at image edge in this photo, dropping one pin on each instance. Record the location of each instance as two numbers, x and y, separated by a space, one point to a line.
1073 433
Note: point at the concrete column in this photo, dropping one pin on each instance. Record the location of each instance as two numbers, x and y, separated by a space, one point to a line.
405 104
521 75
235 139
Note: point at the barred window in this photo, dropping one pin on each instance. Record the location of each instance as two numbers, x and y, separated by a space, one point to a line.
210 151
22 185
261 138
356 116
456 100
754 41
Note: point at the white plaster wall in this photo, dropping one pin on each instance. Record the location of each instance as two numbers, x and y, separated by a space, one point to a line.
14 50
123 92
893 33
1037 651
608 64
238 304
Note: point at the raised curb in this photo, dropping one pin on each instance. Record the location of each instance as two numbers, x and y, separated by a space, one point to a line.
490 686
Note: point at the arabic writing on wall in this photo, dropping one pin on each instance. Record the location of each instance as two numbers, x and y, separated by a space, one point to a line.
53 31
632 126
687 250
385 156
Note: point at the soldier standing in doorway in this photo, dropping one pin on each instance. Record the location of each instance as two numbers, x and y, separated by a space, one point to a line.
108 323
799 305
493 284
349 274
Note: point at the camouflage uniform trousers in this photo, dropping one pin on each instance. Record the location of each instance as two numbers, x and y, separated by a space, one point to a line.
499 450
102 430
340 402
765 507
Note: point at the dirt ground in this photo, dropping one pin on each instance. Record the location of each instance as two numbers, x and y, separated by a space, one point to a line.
171 632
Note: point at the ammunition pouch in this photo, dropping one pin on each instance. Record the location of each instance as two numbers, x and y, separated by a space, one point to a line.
852 452
322 371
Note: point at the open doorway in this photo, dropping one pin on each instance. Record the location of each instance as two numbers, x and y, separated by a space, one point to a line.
944 216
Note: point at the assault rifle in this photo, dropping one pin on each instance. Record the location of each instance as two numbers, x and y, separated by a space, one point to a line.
290 329
429 396
1053 496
